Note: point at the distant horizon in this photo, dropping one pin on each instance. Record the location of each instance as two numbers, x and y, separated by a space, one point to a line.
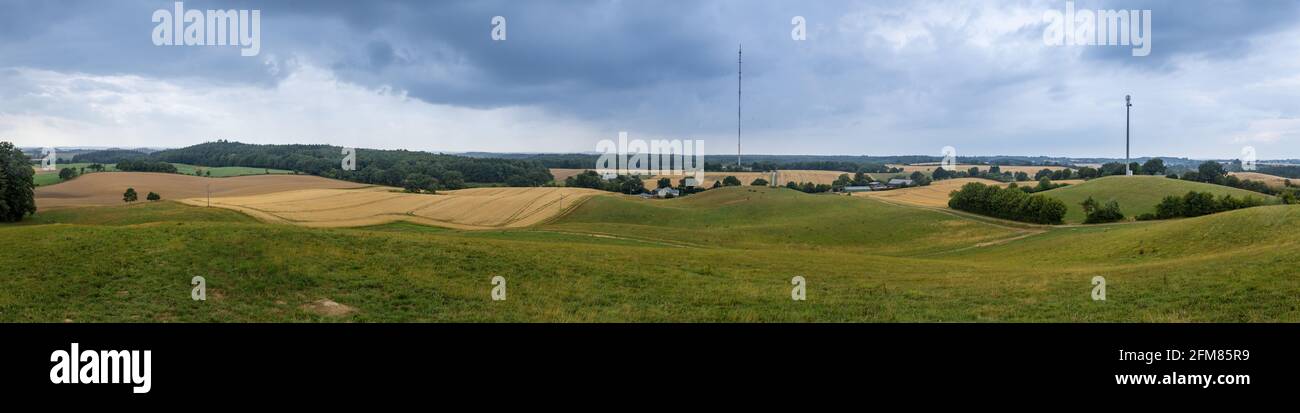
536 77
160 148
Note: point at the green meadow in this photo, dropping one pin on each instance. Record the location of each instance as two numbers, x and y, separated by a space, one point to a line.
725 255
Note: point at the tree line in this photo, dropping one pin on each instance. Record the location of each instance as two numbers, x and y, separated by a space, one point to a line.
399 168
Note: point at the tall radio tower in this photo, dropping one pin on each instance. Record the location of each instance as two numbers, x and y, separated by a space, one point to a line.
740 51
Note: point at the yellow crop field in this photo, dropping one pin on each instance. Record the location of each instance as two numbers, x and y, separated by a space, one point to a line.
477 208
106 188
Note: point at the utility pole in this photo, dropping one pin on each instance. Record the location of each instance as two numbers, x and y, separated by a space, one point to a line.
1128 106
740 52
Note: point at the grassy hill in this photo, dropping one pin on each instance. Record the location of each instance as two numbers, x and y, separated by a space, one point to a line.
1136 194
723 255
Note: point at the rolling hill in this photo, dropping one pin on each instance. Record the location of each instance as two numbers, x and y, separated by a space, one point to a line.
1136 194
722 255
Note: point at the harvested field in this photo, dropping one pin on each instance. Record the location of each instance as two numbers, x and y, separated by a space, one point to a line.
1273 181
477 208
934 195
106 188
816 177
561 174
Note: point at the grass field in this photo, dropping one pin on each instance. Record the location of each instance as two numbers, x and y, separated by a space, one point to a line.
723 255
1136 194
227 171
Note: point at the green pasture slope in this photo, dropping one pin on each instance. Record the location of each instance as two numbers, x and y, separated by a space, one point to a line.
228 171
722 255
1136 194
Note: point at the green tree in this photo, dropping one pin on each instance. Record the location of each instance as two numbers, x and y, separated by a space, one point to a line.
130 195
17 187
1154 166
1210 171
664 183
1089 205
153 196
758 182
417 183
67 173
730 181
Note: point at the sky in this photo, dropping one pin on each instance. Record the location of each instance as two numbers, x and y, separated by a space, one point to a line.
869 77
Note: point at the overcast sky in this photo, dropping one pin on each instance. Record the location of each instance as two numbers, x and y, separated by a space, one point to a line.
872 77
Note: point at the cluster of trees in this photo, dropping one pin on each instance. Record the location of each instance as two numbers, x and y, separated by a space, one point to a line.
381 167
131 196
766 166
1057 175
1195 204
17 184
142 165
1213 172
630 185
994 172
1044 184
1007 203
809 187
1098 214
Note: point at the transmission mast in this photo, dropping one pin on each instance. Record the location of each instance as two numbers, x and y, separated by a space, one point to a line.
740 51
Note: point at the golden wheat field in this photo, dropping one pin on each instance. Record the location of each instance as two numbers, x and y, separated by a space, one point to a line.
106 188
1271 180
477 208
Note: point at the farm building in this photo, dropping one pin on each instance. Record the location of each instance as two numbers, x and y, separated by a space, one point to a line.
899 183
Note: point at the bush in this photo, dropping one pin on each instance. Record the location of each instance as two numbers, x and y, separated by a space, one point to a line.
130 195
1007 203
730 181
153 196
1108 213
1147 217
759 182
